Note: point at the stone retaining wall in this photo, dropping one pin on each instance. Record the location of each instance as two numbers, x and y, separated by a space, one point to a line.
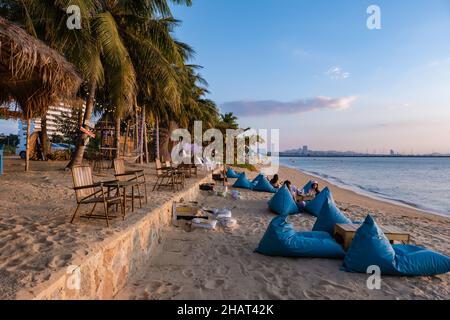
105 271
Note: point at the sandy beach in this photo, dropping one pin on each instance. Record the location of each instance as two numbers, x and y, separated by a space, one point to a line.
37 242
36 239
203 264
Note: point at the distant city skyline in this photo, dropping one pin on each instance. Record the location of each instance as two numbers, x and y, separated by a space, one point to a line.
305 150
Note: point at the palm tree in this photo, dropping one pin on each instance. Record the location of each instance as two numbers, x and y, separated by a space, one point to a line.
100 49
229 120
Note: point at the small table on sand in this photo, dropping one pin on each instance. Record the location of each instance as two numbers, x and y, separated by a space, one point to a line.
124 185
344 233
304 198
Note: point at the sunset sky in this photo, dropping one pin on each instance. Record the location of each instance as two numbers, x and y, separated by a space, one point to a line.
314 70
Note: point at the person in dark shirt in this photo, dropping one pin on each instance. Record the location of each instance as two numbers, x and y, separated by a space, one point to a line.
275 182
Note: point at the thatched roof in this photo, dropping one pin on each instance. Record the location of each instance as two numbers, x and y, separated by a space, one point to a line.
31 73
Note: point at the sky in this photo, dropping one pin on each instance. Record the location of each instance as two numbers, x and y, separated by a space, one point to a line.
314 70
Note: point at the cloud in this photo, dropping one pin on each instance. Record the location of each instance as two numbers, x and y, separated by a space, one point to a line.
438 63
337 73
272 107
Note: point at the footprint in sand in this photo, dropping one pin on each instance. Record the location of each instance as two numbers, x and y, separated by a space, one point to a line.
161 290
188 273
60 261
213 284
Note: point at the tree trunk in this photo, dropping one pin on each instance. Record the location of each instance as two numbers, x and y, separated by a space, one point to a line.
166 144
141 145
27 148
44 138
136 129
147 160
77 157
125 144
117 137
158 155
80 116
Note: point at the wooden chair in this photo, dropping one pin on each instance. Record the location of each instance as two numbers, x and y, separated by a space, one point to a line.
181 168
183 171
167 177
138 176
88 192
194 169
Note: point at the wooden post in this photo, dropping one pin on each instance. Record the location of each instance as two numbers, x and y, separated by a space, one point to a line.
27 149
44 138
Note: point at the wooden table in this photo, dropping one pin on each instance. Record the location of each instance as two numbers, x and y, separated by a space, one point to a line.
124 185
300 198
344 233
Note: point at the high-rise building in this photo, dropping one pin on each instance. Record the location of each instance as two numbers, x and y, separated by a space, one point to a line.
52 115
305 150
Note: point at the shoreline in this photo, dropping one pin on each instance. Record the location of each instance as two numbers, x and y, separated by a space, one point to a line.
368 194
353 197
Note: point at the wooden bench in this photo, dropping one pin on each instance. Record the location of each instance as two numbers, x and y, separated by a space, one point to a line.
344 234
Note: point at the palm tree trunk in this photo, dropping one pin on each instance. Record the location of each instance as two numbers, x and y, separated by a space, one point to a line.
117 136
77 157
141 146
158 155
146 142
136 128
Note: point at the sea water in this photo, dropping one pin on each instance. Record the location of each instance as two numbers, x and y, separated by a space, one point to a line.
423 183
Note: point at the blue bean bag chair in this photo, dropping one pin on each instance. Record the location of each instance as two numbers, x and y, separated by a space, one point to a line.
371 247
256 180
315 206
263 185
282 240
258 177
243 183
283 203
232 174
329 216
307 187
